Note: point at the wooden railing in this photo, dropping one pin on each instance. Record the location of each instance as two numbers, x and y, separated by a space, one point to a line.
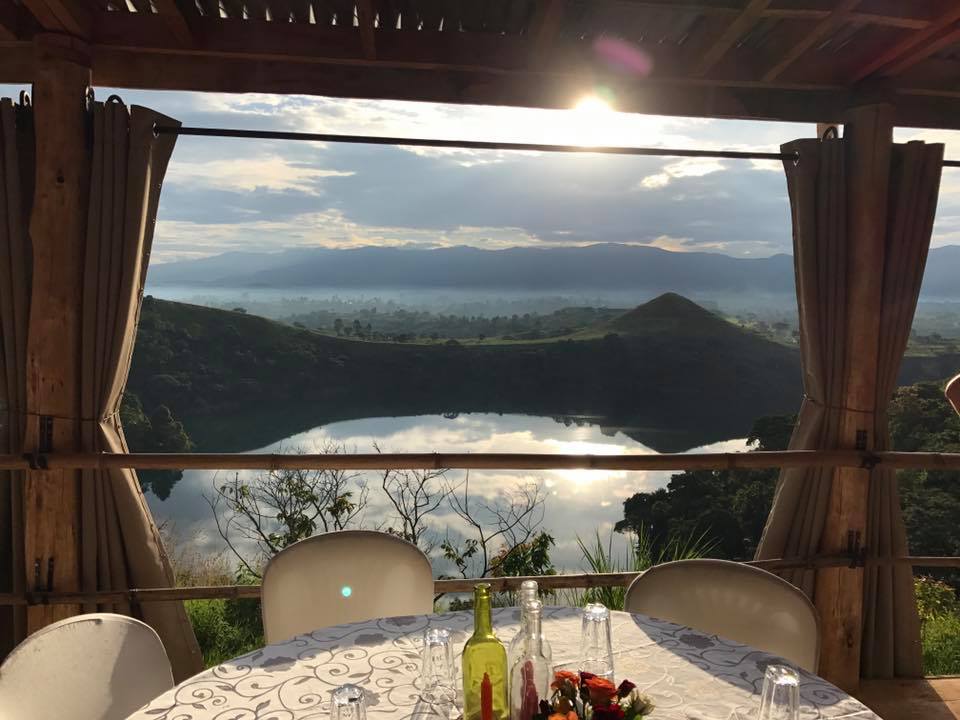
454 585
480 461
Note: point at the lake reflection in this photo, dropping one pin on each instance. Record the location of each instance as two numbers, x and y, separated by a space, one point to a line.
578 502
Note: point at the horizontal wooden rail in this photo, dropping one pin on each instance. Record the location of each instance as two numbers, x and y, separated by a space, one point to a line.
456 585
481 461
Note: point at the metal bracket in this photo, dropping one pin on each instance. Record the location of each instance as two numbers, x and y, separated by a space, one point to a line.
45 441
857 553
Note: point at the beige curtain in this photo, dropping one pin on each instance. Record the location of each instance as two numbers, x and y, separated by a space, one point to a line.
817 187
16 192
121 547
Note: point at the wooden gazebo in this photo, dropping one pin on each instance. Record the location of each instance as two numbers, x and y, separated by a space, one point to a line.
868 64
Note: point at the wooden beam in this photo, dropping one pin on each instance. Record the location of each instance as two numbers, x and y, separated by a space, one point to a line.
837 17
61 16
544 29
366 16
838 595
944 40
57 229
734 31
912 47
175 21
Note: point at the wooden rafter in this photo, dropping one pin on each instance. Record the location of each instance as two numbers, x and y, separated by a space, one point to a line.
61 16
912 49
837 17
734 31
9 23
176 22
366 15
545 27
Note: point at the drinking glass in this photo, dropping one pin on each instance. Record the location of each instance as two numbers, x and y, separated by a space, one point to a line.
437 675
348 703
780 698
596 647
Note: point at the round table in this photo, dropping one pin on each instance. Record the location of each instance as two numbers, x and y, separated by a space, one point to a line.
688 674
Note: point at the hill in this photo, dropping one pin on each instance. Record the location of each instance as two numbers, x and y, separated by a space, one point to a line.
239 381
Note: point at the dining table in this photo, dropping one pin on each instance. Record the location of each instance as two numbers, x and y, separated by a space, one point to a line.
689 675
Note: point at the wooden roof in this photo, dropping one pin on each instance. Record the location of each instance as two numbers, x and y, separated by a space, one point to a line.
799 60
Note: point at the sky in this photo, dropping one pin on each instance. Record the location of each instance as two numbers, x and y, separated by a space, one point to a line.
253 195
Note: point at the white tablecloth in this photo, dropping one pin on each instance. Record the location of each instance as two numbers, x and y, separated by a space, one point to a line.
690 676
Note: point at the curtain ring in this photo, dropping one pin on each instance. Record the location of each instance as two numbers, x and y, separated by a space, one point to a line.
830 133
115 98
24 98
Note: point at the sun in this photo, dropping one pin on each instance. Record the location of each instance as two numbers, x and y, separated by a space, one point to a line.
592 105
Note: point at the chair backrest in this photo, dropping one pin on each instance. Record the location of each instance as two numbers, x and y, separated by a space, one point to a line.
98 666
342 577
732 600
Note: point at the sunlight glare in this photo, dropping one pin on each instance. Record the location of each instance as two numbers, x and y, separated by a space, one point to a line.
592 105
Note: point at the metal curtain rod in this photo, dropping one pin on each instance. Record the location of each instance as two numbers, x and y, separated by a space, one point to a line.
478 144
467 144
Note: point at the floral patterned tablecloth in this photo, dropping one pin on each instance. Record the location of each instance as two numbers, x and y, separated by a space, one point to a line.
689 675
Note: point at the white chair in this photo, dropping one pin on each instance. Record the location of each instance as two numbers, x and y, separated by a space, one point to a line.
343 577
98 666
734 601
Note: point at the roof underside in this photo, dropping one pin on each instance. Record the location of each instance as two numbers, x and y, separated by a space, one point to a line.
798 60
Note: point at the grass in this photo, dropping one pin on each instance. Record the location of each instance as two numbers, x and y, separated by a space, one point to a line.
940 639
224 628
640 555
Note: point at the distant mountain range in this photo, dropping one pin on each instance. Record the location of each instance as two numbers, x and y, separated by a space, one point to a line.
607 266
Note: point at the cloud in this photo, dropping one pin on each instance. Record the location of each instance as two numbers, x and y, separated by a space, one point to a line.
266 172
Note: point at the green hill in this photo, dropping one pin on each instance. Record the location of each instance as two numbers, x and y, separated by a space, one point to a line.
668 373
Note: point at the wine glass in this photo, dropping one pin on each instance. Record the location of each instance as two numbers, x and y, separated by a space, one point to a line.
348 703
780 697
437 670
596 647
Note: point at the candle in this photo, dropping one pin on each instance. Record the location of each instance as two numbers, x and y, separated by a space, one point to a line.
486 698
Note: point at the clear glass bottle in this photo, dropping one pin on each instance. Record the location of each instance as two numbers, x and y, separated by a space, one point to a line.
529 591
484 665
530 672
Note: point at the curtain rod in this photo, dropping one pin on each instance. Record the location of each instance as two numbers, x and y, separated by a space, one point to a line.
467 144
478 144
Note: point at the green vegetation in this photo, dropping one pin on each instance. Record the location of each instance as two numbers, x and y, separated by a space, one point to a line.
399 325
939 611
157 432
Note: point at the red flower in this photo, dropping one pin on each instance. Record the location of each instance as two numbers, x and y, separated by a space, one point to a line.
626 687
562 677
601 690
613 711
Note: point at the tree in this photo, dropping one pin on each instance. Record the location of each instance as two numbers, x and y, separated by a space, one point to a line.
278 508
414 494
495 530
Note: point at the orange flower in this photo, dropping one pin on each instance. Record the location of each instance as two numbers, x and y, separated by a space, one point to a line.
564 676
601 690
560 716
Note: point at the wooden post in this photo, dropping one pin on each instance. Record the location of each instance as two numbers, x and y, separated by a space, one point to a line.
57 230
839 591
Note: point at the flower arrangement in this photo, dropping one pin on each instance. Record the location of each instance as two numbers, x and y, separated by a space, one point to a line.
585 696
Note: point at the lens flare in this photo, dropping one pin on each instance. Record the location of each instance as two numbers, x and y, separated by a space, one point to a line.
346 591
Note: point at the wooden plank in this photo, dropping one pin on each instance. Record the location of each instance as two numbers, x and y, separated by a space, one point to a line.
61 16
175 21
912 46
944 40
839 593
366 16
837 17
734 31
545 28
57 229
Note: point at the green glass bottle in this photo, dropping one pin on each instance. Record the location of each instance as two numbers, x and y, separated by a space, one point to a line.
484 665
